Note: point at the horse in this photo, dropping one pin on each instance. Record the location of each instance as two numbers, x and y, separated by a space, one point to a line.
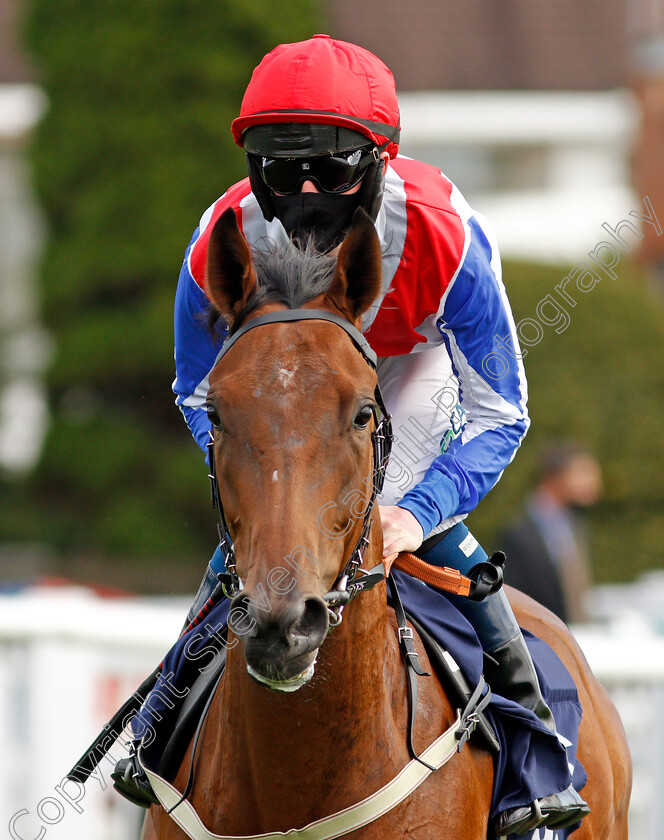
307 718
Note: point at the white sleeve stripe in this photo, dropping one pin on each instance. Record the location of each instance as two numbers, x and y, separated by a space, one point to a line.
486 409
466 213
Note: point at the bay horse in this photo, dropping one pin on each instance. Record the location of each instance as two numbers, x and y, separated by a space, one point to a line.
292 404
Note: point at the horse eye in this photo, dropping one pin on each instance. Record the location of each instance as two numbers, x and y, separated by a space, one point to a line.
213 415
363 417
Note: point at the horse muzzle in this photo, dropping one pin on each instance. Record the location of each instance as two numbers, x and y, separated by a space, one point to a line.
282 642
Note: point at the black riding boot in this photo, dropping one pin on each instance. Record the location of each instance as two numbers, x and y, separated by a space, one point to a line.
509 670
130 781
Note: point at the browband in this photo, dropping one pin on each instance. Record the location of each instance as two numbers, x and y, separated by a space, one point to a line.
304 315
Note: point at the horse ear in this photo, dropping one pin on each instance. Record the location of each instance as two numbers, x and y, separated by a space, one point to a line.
231 278
358 276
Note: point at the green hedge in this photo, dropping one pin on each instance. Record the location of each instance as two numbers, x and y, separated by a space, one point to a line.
135 145
600 382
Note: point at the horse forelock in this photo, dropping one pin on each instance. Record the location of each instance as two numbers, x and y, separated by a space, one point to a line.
286 275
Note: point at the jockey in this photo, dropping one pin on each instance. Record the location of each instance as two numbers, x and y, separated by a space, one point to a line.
319 124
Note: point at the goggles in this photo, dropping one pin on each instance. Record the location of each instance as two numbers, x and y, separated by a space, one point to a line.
330 173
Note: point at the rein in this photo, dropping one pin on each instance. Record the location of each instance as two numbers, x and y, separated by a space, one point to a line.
483 579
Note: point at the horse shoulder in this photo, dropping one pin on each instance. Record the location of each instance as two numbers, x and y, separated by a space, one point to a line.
159 826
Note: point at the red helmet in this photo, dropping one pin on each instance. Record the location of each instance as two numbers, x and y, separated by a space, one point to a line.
323 81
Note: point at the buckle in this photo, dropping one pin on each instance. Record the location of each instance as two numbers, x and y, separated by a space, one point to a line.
405 633
466 729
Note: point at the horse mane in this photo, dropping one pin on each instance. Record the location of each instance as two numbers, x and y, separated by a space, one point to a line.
287 275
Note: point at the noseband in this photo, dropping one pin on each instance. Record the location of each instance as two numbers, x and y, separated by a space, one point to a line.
344 588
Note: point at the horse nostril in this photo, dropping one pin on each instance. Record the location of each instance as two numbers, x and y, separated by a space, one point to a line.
297 622
314 621
259 620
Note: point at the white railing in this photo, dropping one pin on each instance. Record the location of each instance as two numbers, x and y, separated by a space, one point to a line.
69 658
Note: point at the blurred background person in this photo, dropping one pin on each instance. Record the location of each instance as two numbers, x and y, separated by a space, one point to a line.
547 545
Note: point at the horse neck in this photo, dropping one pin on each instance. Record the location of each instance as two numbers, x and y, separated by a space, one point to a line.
339 717
352 657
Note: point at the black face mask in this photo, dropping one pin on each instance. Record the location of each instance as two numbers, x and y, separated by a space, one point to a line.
323 217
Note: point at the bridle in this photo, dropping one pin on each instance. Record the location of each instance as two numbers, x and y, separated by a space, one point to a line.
345 587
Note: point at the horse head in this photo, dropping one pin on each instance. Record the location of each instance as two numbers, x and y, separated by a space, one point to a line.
293 410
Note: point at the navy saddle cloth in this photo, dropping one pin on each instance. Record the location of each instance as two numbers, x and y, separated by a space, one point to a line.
531 763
